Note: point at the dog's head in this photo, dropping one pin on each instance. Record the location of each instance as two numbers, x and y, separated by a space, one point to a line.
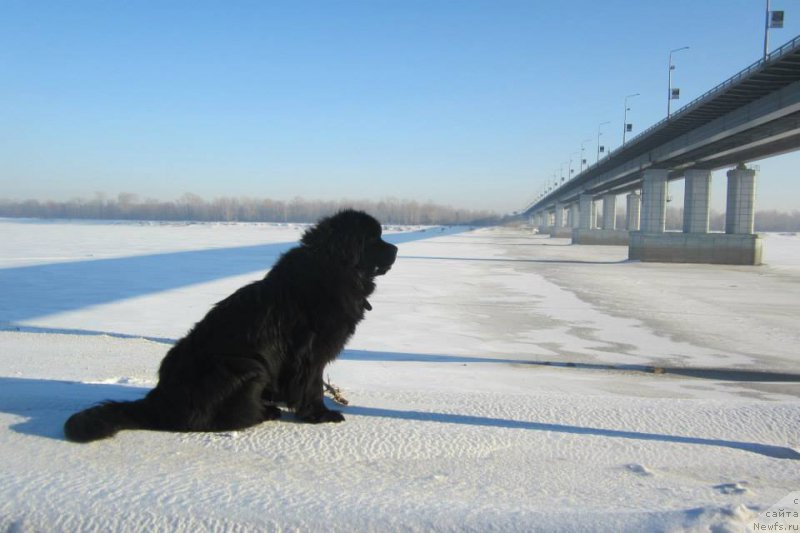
353 239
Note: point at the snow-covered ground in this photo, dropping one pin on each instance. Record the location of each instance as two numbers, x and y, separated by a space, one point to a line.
504 381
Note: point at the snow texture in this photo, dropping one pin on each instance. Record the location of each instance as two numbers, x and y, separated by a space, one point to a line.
504 381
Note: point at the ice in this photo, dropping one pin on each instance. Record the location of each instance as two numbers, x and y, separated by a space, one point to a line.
504 381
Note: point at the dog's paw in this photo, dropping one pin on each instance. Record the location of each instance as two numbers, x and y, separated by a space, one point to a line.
271 412
332 416
324 417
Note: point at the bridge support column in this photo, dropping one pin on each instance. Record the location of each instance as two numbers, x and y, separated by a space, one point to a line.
585 211
588 232
737 246
547 222
634 207
696 201
534 220
610 212
537 221
740 212
744 246
654 201
559 228
575 217
544 222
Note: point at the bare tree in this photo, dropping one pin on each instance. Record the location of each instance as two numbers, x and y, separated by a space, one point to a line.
192 207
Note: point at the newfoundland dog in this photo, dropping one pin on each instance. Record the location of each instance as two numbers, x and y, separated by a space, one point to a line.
266 344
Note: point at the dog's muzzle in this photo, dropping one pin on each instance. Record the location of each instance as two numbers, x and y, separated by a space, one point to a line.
387 260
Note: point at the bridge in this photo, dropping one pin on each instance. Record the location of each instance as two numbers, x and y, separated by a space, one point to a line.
753 115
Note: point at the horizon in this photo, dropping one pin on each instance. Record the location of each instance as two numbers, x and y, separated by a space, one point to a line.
140 199
472 105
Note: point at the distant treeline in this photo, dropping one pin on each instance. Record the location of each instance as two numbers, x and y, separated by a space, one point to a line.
773 220
769 220
190 207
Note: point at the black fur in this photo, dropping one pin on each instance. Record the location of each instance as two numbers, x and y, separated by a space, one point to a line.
266 344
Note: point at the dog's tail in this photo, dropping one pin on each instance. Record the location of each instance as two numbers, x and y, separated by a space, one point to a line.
106 419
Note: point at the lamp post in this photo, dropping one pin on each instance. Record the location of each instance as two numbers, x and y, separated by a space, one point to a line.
671 68
583 159
569 168
774 19
625 121
598 137
766 33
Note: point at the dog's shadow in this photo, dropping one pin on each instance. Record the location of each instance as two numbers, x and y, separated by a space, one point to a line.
46 404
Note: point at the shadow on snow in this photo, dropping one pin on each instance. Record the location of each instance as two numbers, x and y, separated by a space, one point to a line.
512 260
40 290
715 374
768 450
46 404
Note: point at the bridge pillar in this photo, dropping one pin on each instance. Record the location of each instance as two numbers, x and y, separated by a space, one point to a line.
740 212
559 228
574 213
654 201
587 231
533 219
634 207
610 212
696 201
536 220
547 222
544 219
695 244
559 216
586 211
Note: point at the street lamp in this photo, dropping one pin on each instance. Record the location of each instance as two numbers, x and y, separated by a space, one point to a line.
569 168
598 137
774 19
625 121
583 159
671 68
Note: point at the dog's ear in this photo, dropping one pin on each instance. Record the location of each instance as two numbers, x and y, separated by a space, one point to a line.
336 238
317 235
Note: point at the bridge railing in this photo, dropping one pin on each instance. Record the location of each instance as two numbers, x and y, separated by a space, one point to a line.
775 54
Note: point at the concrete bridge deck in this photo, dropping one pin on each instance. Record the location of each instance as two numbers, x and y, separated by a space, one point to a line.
753 115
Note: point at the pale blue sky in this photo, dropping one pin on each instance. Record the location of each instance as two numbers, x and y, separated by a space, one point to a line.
468 103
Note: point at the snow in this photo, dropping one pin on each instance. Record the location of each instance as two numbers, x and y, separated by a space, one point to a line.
504 381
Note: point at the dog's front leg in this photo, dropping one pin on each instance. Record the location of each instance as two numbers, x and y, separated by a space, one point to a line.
312 407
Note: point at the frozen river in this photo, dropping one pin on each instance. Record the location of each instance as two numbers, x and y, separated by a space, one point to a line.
504 381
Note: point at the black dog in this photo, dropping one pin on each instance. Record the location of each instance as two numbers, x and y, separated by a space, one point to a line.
265 344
